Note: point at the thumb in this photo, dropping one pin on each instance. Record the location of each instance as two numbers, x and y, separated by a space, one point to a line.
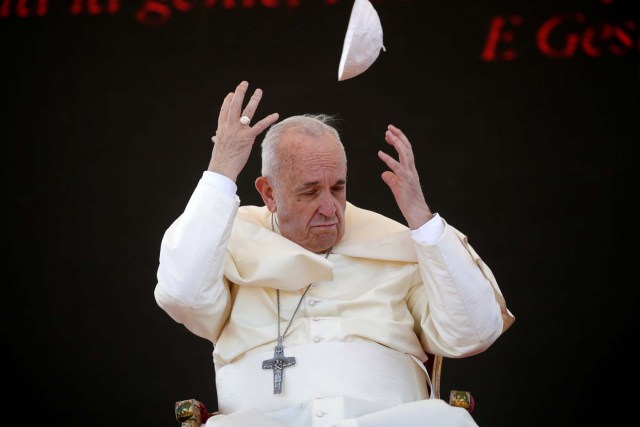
390 179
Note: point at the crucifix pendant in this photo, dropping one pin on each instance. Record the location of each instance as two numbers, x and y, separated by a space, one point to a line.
278 363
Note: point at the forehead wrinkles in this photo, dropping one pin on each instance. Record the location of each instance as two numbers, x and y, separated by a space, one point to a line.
302 152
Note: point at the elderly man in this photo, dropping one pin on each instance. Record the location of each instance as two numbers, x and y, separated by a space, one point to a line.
321 313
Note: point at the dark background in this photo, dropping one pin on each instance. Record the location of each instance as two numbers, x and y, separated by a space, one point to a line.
106 126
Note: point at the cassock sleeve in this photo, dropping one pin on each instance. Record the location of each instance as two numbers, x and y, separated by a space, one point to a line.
191 287
457 305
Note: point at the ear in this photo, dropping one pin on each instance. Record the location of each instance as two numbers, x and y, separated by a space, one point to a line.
267 192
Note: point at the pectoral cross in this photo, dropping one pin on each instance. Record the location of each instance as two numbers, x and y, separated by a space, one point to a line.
278 363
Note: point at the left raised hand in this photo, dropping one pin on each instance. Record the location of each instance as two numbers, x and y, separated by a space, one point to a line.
403 179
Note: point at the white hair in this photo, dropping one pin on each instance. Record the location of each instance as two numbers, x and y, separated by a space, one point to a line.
309 124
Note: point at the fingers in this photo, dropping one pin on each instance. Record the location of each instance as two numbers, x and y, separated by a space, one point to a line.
391 180
234 121
265 123
403 179
392 163
396 138
235 106
252 105
232 104
224 109
234 138
232 111
403 169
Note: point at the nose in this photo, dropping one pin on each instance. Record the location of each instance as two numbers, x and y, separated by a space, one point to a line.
327 206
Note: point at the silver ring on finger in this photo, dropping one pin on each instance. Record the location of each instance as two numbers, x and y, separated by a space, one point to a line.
245 120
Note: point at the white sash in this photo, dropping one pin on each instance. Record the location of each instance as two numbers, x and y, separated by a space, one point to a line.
353 378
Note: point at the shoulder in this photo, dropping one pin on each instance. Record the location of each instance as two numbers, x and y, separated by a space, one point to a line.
257 215
361 221
369 234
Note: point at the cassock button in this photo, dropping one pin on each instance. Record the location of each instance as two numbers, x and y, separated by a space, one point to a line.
313 302
320 413
317 339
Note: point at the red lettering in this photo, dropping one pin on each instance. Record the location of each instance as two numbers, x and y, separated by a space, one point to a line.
594 40
587 42
546 32
497 33
227 4
158 12
182 5
113 6
608 33
625 39
6 8
93 7
153 13
22 9
247 4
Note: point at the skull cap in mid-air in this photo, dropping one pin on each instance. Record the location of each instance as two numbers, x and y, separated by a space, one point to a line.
363 40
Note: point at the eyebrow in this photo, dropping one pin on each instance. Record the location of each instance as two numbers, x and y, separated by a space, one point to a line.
315 183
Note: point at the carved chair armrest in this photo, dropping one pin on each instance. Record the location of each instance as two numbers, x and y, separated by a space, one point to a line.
192 413
462 398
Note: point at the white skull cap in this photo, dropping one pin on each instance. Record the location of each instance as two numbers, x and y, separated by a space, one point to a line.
363 41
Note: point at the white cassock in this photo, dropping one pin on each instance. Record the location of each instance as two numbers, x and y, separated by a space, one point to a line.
384 296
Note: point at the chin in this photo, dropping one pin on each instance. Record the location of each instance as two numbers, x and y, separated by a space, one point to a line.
322 244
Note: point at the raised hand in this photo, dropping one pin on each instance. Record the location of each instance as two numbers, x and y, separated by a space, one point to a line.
403 179
234 137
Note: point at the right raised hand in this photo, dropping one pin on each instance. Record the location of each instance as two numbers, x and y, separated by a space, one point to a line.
234 140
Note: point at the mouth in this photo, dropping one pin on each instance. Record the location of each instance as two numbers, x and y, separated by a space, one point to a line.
324 225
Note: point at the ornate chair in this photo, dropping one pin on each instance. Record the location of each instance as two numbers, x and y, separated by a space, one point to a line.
193 413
